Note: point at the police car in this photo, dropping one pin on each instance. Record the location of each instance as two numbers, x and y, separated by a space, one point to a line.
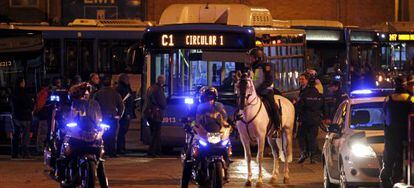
354 145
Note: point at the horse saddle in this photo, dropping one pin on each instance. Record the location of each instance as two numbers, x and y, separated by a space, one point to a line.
274 114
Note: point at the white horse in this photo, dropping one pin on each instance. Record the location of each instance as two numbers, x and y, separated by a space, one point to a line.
254 125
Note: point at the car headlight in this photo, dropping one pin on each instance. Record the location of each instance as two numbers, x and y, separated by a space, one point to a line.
213 138
362 150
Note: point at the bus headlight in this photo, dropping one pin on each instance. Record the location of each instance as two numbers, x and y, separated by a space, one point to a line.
362 150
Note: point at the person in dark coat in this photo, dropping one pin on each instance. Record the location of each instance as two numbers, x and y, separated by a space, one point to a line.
94 81
112 109
397 107
22 105
155 105
125 91
333 99
309 109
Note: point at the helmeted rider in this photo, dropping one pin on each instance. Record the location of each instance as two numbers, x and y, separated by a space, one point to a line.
397 107
82 108
212 115
263 81
83 104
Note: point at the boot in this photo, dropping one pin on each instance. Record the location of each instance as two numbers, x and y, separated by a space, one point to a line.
314 158
302 158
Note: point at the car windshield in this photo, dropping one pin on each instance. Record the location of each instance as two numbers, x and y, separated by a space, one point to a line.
367 116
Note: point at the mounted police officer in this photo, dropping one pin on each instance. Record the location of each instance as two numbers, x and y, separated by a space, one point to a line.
397 107
263 81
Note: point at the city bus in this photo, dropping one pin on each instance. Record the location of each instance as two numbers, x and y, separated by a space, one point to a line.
86 46
336 51
205 47
397 50
21 53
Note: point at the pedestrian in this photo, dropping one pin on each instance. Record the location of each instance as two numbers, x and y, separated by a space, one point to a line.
154 107
318 83
125 91
397 107
309 109
94 81
112 108
76 80
42 113
333 99
22 105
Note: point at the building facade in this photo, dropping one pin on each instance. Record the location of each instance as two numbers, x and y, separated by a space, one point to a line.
60 12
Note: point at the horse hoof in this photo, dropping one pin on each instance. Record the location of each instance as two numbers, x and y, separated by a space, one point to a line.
248 184
273 181
259 184
286 181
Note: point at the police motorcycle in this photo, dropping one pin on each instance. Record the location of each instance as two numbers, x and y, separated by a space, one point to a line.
206 154
59 105
81 155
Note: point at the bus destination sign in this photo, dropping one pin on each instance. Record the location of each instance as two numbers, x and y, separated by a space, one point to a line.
401 37
200 38
193 40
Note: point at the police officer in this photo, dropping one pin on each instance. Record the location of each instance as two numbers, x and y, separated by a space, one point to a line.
208 105
333 99
310 110
396 109
263 81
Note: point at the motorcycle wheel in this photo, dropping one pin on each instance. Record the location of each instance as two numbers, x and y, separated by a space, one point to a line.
103 181
217 175
89 174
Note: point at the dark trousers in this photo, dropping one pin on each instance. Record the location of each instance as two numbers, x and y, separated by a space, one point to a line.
307 134
123 129
392 170
109 136
21 133
269 95
155 146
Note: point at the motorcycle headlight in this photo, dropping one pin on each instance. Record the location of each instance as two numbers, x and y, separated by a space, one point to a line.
225 142
362 150
202 143
213 138
104 126
72 124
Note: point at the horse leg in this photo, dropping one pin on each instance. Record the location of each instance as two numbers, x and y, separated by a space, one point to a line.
248 158
288 136
260 151
275 153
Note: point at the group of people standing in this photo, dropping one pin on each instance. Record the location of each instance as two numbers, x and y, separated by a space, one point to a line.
115 102
313 108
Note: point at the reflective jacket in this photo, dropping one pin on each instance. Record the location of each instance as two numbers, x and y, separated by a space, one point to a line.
310 107
263 77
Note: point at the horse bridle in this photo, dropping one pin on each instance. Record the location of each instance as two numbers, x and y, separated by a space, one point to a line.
246 97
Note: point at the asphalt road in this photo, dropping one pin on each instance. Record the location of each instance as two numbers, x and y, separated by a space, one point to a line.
134 170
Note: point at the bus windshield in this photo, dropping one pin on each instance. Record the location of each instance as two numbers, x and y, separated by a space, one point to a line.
186 70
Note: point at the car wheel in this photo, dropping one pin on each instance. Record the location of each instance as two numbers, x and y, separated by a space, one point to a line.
342 178
326 180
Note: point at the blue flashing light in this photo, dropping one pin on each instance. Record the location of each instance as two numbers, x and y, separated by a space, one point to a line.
249 30
189 101
338 77
202 143
72 124
225 142
104 126
54 98
362 92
